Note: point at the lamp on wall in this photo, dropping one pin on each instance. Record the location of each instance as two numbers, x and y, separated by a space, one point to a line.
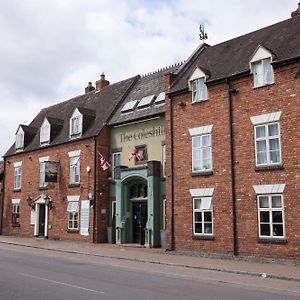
48 202
29 201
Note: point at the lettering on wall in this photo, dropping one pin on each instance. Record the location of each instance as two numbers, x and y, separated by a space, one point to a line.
142 134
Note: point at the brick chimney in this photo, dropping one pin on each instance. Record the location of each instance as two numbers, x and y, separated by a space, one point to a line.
296 12
101 83
89 88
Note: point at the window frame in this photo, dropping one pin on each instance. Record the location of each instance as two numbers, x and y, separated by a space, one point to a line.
76 116
203 222
270 209
201 148
73 217
267 138
15 215
145 154
42 172
113 163
19 142
45 133
261 63
74 170
163 160
196 91
17 174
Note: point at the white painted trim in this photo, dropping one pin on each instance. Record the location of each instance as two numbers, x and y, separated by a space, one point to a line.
266 118
43 159
269 189
73 198
206 192
15 201
260 53
201 130
74 153
18 164
198 73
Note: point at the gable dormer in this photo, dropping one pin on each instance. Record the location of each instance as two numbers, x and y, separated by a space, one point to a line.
261 66
45 132
24 136
49 129
80 121
198 86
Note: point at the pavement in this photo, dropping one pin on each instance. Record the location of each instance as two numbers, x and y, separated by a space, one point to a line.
265 268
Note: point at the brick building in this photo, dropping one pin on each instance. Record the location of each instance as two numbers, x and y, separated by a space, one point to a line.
233 137
1 190
54 186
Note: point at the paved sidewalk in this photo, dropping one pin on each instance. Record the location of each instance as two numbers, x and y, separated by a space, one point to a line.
288 270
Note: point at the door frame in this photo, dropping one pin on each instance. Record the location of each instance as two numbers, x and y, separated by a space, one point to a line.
38 202
144 201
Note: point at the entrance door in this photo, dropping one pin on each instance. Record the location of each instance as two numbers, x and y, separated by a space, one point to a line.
42 215
139 220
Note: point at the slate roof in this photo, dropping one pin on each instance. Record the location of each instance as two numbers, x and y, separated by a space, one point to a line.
99 104
152 84
232 57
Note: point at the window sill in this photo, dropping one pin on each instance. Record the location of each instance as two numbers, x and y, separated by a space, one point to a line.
42 188
16 190
262 86
74 185
203 237
72 230
15 225
203 173
199 101
272 241
269 168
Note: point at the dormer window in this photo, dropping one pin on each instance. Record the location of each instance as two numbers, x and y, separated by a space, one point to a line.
45 133
19 139
76 124
261 67
198 86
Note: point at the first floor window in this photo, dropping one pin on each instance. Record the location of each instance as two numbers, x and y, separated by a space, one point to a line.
42 175
202 216
76 125
73 215
201 153
75 170
263 72
15 212
199 90
270 216
116 162
17 178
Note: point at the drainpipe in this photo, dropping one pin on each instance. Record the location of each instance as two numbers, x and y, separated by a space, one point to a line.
172 177
2 197
95 184
232 91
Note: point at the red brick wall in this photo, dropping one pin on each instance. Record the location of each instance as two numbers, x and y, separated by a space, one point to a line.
57 191
283 96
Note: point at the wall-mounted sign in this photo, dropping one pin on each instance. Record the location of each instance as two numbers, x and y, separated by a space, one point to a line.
51 171
142 134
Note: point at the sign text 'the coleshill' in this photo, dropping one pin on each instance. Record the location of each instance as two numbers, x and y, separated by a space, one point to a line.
142 134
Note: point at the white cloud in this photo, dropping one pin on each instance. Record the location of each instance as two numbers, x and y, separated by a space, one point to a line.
50 49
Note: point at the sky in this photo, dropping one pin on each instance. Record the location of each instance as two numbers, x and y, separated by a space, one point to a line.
51 49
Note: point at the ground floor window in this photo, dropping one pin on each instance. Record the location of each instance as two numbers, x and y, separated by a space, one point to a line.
15 212
202 216
270 216
73 215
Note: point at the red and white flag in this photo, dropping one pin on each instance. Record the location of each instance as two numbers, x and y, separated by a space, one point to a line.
135 154
104 164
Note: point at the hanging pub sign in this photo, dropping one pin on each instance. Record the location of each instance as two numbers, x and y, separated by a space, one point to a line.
51 171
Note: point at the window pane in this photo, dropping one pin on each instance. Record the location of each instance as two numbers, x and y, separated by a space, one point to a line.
268 76
277 216
263 202
207 164
198 228
264 217
260 131
258 75
207 216
276 202
197 203
261 158
196 154
278 230
261 146
273 129
196 142
196 165
265 229
198 217
274 157
274 144
207 228
206 140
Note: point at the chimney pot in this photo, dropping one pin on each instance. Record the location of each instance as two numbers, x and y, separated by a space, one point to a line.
296 12
89 88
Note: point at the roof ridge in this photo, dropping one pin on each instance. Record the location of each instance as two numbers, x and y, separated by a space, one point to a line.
163 69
